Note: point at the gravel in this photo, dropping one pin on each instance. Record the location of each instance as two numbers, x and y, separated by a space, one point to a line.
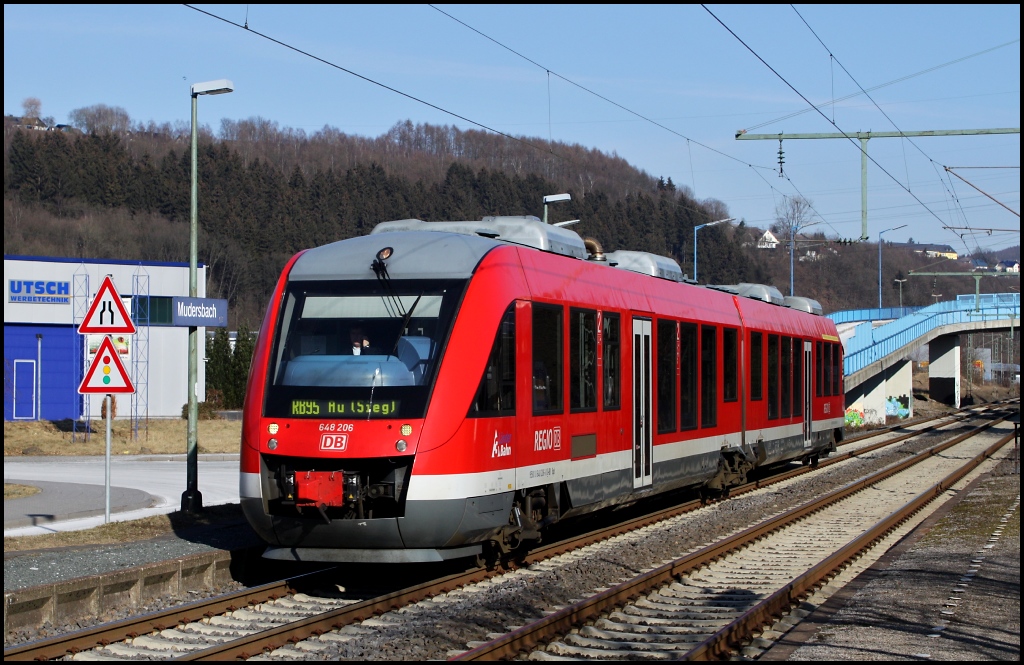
433 628
33 567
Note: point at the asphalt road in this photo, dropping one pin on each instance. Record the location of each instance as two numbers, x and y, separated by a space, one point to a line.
73 495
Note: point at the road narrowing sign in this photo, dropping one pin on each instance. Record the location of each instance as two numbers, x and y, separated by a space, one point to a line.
106 375
107 315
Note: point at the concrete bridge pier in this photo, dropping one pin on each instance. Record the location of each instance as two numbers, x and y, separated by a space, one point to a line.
889 392
944 369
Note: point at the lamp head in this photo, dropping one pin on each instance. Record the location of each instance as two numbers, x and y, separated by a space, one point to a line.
218 87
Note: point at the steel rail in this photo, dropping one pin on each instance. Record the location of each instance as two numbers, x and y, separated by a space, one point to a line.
102 635
61 645
560 622
754 619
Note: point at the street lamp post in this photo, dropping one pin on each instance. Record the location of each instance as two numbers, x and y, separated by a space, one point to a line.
698 228
895 228
900 282
191 498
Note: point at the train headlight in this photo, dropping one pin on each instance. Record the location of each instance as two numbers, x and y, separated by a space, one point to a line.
272 428
401 445
406 430
272 444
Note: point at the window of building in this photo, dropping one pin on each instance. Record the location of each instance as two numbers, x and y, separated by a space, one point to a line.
155 310
688 375
547 359
756 366
582 360
611 356
496 395
708 376
666 376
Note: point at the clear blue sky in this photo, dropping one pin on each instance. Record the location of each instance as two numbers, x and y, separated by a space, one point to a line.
675 65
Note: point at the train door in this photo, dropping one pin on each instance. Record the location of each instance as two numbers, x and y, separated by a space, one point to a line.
808 366
643 443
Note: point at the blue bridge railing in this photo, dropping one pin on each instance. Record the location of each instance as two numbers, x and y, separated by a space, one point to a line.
884 314
869 344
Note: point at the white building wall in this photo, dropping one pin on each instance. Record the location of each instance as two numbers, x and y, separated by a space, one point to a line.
168 346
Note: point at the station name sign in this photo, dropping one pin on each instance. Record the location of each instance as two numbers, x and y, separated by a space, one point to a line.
43 292
209 312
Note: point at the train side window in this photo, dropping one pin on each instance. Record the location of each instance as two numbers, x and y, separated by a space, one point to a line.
582 360
818 369
836 370
786 373
826 368
756 366
688 376
666 376
612 360
708 376
730 348
547 359
773 376
496 395
798 376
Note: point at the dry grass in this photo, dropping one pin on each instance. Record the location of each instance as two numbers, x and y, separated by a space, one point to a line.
158 437
129 531
12 491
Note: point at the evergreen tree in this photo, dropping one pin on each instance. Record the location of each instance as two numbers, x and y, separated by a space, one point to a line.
241 359
218 364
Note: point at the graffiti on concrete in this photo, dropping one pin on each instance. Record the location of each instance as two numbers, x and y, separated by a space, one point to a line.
898 406
854 416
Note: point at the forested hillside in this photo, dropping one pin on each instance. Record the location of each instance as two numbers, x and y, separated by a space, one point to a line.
267 192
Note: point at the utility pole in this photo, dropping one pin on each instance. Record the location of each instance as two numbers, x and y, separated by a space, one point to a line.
900 282
863 137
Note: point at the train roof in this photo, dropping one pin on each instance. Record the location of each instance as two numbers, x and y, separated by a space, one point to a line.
453 249
415 255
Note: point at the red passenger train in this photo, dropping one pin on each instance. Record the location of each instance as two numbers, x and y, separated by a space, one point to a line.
438 390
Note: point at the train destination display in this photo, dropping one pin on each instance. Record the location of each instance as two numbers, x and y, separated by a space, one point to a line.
348 408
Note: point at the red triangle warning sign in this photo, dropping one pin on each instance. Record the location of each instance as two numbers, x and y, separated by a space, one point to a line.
106 374
107 315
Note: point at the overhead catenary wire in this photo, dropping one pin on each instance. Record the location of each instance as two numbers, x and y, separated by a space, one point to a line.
823 115
597 94
872 100
882 85
689 140
374 82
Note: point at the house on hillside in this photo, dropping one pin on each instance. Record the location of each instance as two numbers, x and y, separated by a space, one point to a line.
940 251
32 123
979 264
1009 265
752 236
767 241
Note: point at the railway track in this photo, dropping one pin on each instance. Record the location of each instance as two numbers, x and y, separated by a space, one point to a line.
707 604
280 616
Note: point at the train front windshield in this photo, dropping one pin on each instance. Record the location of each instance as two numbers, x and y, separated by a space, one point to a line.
359 349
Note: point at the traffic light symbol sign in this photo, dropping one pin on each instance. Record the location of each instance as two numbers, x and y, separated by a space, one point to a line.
106 374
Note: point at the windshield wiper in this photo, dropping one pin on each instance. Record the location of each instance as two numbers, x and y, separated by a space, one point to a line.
405 322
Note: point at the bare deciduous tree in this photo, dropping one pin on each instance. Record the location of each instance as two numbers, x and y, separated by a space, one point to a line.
793 214
32 107
100 118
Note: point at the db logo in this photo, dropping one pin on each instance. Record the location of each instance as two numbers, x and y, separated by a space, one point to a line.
337 442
